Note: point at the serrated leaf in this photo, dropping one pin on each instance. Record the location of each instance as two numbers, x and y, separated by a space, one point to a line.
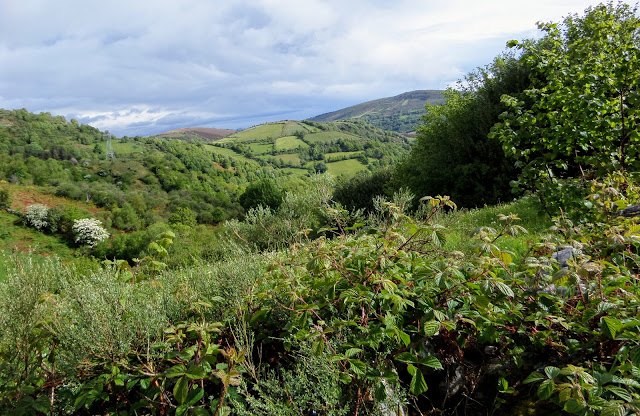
407 357
431 328
181 389
620 392
380 393
404 337
573 406
614 410
533 377
431 362
195 372
546 389
610 326
176 371
551 372
504 289
418 385
195 396
352 352
358 367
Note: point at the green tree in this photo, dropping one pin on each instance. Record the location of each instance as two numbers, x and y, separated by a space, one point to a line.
264 192
453 154
579 116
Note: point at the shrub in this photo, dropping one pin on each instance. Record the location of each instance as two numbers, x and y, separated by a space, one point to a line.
37 216
5 198
89 231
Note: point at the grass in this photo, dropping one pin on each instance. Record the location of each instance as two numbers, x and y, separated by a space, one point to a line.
260 148
270 130
329 136
463 224
288 158
291 127
19 240
123 148
345 167
295 171
289 143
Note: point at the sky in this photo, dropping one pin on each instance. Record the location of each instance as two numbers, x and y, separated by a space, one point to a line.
138 67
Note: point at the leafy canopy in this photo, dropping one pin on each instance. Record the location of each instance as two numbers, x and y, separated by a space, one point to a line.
580 113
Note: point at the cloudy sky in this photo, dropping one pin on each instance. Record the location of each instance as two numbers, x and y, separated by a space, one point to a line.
139 67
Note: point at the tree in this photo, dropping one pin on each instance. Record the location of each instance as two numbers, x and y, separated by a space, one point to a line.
89 231
264 192
37 216
579 116
452 154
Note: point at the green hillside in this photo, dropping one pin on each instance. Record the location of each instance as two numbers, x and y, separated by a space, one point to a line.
341 148
400 113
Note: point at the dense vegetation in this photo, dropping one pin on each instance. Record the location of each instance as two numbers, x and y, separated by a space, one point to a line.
363 297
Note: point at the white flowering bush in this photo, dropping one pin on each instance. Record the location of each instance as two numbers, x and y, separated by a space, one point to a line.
89 231
37 216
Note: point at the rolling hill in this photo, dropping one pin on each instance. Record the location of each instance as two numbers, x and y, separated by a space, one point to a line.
400 113
189 133
300 147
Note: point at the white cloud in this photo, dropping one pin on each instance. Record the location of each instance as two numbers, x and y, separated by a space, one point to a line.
136 66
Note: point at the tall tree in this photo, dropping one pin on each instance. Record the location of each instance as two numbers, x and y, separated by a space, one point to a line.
452 154
580 114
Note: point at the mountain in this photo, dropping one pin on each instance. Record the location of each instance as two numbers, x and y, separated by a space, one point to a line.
400 113
189 133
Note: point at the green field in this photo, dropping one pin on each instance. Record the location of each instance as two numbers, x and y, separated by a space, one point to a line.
270 130
123 148
291 127
329 136
289 143
345 167
260 148
296 171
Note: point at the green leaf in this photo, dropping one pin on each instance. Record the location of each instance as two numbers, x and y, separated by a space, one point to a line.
533 377
407 357
181 389
418 385
431 328
195 396
431 362
574 406
546 389
358 367
610 326
345 378
380 393
176 371
551 372
404 337
318 347
505 289
620 392
614 410
195 372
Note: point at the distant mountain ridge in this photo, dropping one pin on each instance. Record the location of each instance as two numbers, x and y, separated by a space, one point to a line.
400 113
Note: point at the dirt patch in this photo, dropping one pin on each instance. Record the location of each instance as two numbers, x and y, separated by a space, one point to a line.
22 197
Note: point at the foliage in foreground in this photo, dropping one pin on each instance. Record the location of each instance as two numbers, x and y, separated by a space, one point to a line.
377 320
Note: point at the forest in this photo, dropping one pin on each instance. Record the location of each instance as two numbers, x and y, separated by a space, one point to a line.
489 268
